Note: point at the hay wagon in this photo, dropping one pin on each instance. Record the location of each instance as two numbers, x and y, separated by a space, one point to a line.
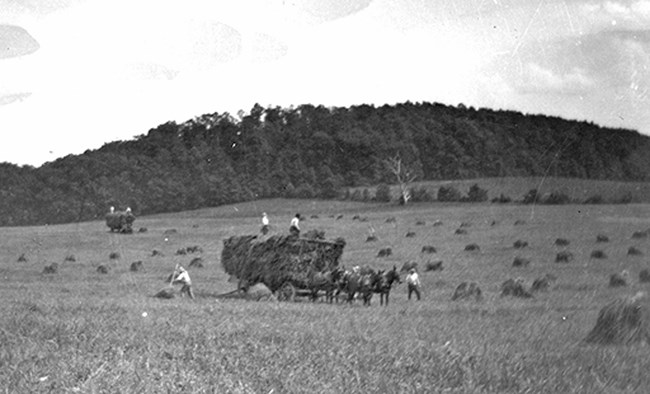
285 264
121 222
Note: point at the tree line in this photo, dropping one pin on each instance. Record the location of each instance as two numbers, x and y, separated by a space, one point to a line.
311 152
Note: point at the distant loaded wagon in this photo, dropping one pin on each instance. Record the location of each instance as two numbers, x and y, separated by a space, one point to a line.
121 222
285 264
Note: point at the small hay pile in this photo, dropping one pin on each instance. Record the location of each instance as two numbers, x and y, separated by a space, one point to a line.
428 249
640 234
410 234
602 238
564 257
136 266
467 291
437 223
515 288
632 251
165 293
420 223
562 242
22 258
371 238
519 244
618 280
114 256
259 292
391 220
51 269
196 262
433 266
407 266
278 259
543 283
122 222
385 252
102 269
644 276
623 321
598 254
472 247
520 262
519 222
460 231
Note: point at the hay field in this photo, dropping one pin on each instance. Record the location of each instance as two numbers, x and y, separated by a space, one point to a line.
82 331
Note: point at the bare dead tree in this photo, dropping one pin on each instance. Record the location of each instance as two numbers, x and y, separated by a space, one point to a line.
403 175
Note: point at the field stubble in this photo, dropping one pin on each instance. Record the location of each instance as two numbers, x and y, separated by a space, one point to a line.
82 331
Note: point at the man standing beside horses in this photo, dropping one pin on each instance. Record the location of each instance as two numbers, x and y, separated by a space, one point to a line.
413 282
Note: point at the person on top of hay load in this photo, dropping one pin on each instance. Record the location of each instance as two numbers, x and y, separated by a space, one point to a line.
183 277
413 282
265 224
294 229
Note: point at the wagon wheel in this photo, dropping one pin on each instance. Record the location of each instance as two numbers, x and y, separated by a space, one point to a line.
286 292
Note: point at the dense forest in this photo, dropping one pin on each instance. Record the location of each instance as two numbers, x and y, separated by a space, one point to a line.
311 151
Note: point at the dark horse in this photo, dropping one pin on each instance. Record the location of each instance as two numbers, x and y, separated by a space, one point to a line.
326 281
384 282
361 283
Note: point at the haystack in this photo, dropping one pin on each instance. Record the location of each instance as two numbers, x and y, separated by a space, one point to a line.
122 222
564 257
51 269
598 254
562 242
428 249
632 251
165 293
467 291
196 262
102 269
621 322
644 276
433 266
519 244
385 252
515 288
543 283
407 266
278 259
520 262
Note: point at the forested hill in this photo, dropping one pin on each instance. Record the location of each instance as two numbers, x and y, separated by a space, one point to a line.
311 152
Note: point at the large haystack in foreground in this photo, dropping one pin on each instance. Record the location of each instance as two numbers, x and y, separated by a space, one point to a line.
279 259
622 321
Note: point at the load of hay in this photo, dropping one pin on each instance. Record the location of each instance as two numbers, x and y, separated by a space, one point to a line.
622 321
278 259
121 222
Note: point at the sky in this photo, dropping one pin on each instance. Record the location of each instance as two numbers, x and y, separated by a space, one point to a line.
76 74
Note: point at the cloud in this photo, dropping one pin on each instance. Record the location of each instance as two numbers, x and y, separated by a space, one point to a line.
264 48
538 79
617 14
16 41
327 10
148 71
11 98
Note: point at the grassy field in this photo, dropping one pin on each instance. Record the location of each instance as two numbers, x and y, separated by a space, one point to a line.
82 331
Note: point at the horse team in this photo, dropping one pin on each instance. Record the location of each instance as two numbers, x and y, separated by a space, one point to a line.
359 282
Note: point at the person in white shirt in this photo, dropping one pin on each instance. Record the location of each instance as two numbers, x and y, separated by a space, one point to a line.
294 229
413 282
265 224
183 278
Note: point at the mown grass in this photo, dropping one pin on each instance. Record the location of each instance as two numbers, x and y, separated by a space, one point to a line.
81 331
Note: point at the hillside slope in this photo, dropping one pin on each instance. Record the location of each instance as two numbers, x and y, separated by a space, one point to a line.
310 152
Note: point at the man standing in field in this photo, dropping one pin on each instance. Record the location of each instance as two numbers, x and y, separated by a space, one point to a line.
294 229
413 282
184 278
265 224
